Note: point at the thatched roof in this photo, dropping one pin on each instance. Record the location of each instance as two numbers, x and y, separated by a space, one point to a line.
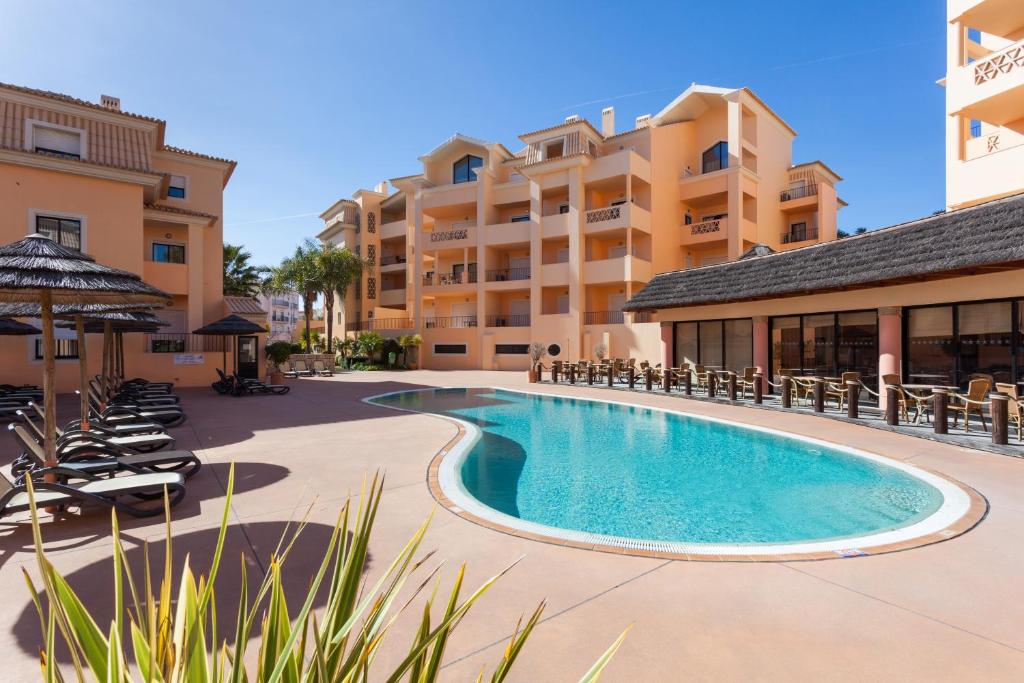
231 326
13 328
121 322
983 238
36 264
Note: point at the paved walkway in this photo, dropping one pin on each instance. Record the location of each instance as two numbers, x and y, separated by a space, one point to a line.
953 610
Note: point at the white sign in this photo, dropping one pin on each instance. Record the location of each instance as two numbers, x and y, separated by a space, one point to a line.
189 359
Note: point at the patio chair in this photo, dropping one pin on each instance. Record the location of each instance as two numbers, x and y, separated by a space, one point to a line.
1015 411
301 369
255 386
841 392
802 387
321 370
70 440
746 381
700 373
104 460
971 402
124 493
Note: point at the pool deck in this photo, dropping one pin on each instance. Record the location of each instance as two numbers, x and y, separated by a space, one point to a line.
950 610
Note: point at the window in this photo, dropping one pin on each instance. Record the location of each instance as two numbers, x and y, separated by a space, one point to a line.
450 349
716 344
65 349
168 253
554 149
930 345
58 141
462 170
715 158
66 232
825 344
521 218
563 207
176 187
512 349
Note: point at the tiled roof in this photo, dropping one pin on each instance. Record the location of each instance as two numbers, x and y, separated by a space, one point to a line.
84 162
68 99
566 124
190 153
986 237
243 305
180 211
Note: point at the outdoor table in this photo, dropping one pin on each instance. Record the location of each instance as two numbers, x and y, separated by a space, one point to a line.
926 376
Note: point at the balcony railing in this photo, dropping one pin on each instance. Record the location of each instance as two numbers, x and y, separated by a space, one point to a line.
450 321
799 236
643 317
706 227
517 320
798 192
1008 59
379 324
503 274
448 279
603 317
183 342
609 213
391 260
391 286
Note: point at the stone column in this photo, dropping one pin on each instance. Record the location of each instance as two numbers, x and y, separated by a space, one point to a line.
890 346
761 342
667 352
195 256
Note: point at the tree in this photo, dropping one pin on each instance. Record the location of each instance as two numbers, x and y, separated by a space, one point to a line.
370 343
241 278
340 268
300 273
409 341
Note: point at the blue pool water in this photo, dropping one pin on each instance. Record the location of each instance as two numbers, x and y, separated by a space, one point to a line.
625 471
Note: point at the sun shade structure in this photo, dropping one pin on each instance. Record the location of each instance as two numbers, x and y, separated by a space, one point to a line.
37 270
231 326
15 328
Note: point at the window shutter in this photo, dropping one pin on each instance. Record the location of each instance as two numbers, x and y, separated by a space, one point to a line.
56 140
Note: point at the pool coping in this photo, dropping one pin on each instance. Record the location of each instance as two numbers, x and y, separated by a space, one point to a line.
961 510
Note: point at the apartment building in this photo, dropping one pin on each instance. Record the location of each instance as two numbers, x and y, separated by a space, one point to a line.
104 181
984 100
284 310
486 250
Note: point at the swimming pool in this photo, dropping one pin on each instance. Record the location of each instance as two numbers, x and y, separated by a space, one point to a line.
613 474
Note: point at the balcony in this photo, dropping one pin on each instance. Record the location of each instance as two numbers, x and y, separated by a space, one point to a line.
446 195
455 236
616 270
603 318
379 324
616 218
507 274
555 274
794 236
706 231
449 279
507 233
393 229
392 262
454 321
555 225
169 277
990 89
517 320
620 163
393 297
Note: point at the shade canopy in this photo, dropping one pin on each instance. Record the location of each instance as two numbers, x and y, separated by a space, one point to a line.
33 310
230 326
36 265
15 328
132 321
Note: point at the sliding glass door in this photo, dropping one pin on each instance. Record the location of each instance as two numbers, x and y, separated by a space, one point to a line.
715 344
824 345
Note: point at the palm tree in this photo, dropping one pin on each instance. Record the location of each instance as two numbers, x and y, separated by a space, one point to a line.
240 277
340 268
300 272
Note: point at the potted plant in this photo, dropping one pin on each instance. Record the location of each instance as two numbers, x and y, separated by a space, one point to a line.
409 341
537 352
600 351
277 353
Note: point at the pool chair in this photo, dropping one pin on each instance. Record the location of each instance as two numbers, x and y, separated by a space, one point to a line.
1015 412
255 386
119 413
108 460
301 369
77 439
971 402
745 382
802 388
79 489
321 370
840 392
700 373
288 370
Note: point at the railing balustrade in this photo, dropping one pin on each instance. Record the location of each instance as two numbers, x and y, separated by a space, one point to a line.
517 320
609 213
603 317
450 321
798 192
184 342
799 236
392 259
379 324
706 227
503 274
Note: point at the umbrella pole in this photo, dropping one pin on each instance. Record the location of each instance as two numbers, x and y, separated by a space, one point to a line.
120 355
83 370
49 383
105 392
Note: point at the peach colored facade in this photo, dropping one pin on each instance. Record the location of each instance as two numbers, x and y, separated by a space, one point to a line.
984 100
104 181
485 250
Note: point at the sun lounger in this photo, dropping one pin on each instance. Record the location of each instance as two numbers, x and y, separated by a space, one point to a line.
301 369
318 368
124 493
72 440
255 386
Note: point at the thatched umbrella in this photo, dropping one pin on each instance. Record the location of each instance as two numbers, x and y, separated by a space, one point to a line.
231 326
37 270
9 327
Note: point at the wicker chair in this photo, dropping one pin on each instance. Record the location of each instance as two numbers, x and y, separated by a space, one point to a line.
1015 411
971 402
841 392
746 381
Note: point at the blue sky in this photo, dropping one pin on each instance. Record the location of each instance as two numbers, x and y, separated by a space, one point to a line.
303 94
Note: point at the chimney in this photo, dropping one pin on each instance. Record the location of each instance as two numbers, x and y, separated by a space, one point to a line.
382 187
573 118
112 103
608 122
643 121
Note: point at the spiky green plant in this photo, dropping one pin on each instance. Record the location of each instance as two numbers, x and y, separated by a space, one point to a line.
173 629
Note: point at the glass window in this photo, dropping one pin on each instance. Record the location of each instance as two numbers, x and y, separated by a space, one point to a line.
563 208
57 141
168 253
930 350
462 170
819 345
66 232
985 338
857 346
715 158
64 349
711 343
786 358
686 344
176 187
1020 345
739 344
521 218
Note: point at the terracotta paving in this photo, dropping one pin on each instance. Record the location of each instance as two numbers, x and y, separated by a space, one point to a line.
950 610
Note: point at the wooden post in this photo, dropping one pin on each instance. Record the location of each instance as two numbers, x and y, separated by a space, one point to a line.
120 355
648 377
758 388
1000 405
104 379
554 373
688 382
940 419
732 386
712 384
631 371
852 400
611 375
49 382
83 371
590 373
667 379
892 405
572 374
787 391
819 395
